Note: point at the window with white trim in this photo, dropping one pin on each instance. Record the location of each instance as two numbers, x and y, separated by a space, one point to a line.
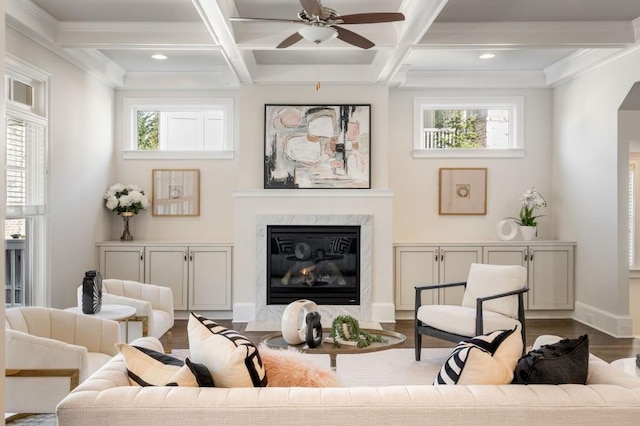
25 192
178 128
468 127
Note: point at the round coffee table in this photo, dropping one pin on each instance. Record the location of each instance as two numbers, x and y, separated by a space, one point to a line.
275 340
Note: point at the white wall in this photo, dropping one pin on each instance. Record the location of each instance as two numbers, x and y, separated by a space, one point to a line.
415 180
590 173
80 165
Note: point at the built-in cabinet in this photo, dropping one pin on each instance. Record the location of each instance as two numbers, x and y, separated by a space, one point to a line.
198 274
423 265
550 268
550 272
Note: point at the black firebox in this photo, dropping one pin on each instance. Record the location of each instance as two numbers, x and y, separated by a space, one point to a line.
319 263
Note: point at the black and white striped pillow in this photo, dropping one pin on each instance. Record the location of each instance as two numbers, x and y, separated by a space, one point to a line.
230 357
147 367
487 359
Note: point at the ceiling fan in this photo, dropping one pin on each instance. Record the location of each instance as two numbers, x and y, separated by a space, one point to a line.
321 24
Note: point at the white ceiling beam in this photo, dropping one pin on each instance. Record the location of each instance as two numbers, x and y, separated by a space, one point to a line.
575 64
419 15
544 34
315 73
134 35
215 15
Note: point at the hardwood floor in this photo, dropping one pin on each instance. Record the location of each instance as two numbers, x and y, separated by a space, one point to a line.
600 344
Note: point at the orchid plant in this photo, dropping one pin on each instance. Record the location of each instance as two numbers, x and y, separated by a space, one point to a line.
531 200
126 199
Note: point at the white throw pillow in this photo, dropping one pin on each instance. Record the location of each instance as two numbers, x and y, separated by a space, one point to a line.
230 357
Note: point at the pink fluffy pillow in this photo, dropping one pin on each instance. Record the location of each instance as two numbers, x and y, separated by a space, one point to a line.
290 368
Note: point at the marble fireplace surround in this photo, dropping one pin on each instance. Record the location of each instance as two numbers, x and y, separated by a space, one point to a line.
272 313
371 209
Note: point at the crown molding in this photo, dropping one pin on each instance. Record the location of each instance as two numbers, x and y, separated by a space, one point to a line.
217 79
31 21
473 79
540 34
576 64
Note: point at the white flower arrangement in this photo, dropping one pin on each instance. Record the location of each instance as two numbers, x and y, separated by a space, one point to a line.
126 198
531 200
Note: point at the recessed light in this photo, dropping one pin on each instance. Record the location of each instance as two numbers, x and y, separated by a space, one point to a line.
487 56
159 57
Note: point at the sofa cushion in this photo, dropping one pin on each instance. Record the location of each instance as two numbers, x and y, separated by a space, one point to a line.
488 359
230 357
292 368
566 361
146 367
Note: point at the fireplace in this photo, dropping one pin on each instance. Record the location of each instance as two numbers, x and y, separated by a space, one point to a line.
315 262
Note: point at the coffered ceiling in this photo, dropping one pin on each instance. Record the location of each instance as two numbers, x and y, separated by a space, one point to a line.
536 43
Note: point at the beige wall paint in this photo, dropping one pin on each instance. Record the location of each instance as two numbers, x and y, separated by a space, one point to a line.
415 180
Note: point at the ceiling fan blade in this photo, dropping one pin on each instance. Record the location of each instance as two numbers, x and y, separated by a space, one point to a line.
242 19
292 39
312 7
353 38
371 18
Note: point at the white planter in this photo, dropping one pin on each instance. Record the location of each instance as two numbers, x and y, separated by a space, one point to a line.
528 232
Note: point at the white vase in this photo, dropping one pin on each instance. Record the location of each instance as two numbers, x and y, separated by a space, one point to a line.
528 232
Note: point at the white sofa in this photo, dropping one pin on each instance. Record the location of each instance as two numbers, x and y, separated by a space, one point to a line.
610 397
153 303
48 351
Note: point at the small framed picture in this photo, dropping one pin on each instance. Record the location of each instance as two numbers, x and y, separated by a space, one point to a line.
463 191
176 192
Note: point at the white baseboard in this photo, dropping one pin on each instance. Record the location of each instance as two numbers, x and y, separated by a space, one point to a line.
383 312
620 326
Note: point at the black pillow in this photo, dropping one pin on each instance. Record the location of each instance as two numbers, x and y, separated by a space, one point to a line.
566 361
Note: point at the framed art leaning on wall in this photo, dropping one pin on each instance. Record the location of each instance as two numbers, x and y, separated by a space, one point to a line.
176 192
317 146
463 191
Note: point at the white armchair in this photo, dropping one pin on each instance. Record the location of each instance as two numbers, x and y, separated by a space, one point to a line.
48 352
493 300
153 303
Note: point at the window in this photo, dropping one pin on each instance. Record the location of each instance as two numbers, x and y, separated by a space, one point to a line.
468 127
25 161
178 128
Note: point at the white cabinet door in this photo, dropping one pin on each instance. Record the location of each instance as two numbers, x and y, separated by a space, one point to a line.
168 266
549 272
210 278
415 266
550 277
455 263
123 263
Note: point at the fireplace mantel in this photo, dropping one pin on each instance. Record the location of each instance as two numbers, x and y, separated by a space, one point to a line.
254 209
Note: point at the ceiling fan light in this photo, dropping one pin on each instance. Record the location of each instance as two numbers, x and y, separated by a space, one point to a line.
318 34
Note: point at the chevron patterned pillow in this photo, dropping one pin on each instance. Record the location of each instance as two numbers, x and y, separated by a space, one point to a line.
489 359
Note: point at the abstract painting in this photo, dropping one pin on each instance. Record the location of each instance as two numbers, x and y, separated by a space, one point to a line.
463 191
317 146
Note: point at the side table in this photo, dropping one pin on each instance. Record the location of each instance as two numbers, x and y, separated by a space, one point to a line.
120 313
